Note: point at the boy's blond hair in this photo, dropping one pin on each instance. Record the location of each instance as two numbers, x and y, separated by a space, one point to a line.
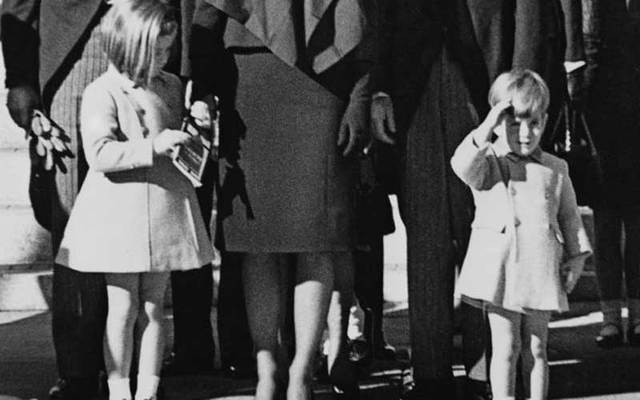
524 87
131 29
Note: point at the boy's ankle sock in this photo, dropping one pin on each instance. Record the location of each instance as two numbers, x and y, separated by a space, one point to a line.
147 387
119 389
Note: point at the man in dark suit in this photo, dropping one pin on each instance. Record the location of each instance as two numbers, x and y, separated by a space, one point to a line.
52 51
436 59
48 70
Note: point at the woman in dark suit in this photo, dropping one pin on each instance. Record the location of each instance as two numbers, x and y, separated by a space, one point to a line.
293 103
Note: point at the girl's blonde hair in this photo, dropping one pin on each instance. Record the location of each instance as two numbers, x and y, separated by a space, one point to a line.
524 87
131 29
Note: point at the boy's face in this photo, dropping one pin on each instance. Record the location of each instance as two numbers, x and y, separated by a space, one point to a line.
522 133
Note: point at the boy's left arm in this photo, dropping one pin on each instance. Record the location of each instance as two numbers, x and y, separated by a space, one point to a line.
576 241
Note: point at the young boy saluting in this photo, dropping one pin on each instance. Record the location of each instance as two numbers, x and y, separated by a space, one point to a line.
528 245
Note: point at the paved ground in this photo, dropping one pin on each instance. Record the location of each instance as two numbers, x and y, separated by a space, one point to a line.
578 368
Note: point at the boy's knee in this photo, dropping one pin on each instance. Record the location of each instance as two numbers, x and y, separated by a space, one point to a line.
538 351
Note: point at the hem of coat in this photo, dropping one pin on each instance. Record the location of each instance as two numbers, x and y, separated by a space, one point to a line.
287 249
125 270
483 303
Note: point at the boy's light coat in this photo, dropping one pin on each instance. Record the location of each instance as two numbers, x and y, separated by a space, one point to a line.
526 224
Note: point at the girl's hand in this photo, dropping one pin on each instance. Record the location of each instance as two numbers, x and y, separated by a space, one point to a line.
570 275
483 133
168 140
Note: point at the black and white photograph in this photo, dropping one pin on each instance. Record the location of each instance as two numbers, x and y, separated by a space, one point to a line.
319 199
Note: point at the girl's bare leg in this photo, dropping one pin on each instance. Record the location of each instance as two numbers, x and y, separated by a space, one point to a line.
122 297
150 326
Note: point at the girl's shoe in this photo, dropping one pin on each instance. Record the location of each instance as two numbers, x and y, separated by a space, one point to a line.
609 340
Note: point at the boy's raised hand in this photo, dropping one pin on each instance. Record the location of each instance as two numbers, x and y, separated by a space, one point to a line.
483 133
168 140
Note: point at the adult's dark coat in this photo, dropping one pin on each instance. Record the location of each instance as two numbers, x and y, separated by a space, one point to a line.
486 37
436 59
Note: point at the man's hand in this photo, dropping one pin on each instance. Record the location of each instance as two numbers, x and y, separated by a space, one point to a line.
382 119
21 102
353 127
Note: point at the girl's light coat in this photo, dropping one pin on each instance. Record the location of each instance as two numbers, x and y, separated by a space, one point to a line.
526 225
135 212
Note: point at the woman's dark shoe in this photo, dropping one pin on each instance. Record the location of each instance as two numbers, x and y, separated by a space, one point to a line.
609 340
344 379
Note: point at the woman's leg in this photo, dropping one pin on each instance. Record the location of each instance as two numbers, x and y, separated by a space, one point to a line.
341 371
312 294
608 231
505 345
122 298
263 281
535 368
340 306
150 322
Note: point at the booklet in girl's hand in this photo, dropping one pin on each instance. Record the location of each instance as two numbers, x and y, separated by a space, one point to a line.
191 157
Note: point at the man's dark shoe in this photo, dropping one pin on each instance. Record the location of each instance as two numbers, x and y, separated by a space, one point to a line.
74 389
431 389
239 371
176 365
384 352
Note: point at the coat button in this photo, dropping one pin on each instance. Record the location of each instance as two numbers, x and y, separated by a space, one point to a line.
513 191
547 195
516 222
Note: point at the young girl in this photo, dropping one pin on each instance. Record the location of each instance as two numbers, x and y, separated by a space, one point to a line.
136 217
528 244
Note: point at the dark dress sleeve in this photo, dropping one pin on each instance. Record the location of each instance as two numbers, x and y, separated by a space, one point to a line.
19 36
572 10
383 25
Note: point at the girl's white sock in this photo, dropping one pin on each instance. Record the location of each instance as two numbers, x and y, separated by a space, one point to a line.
147 387
119 389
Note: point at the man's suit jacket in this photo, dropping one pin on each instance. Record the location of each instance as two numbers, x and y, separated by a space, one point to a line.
39 38
486 37
42 39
